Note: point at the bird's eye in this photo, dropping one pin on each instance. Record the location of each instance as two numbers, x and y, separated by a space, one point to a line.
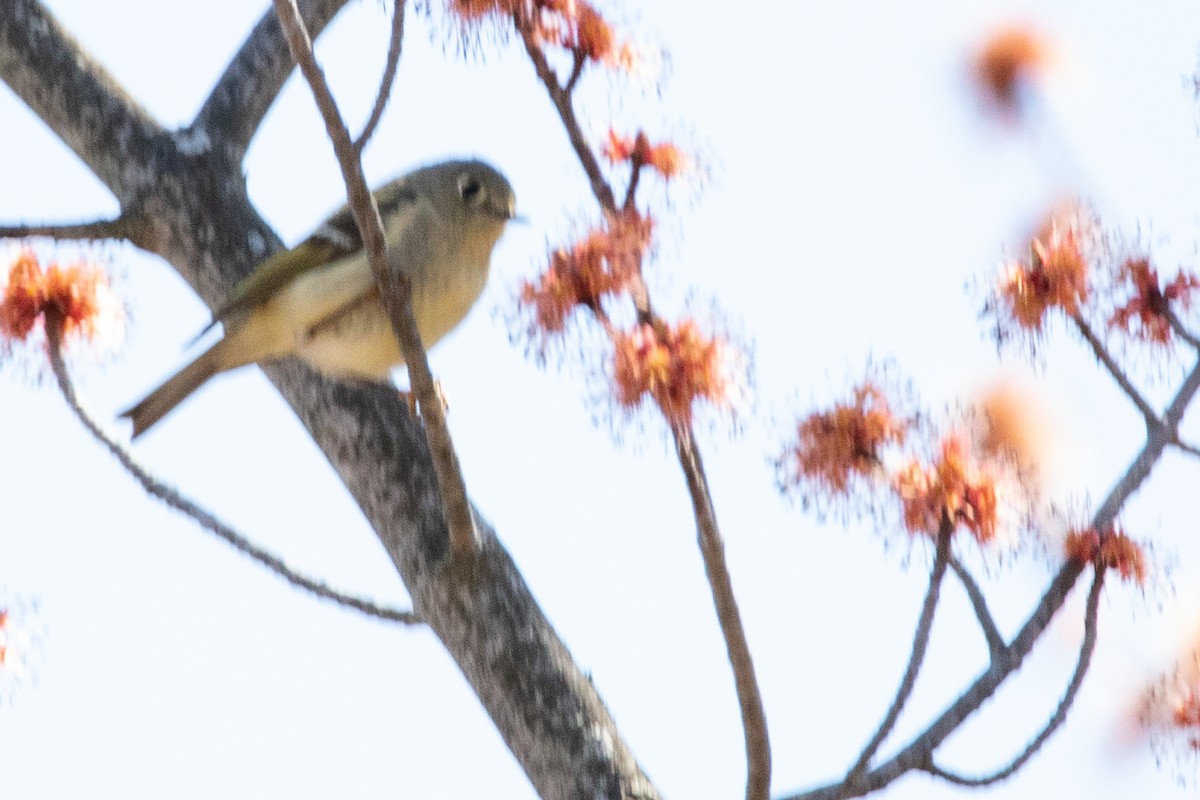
470 189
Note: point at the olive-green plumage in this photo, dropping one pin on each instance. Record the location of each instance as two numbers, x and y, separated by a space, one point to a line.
319 300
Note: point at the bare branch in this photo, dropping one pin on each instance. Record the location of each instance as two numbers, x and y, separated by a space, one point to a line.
236 106
1181 331
389 76
200 515
395 290
1086 649
635 172
1114 370
561 97
1190 449
987 624
917 657
754 720
119 228
577 65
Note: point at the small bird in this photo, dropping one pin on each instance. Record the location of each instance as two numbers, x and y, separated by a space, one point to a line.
320 300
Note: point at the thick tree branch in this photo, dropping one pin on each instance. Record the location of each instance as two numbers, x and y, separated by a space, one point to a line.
917 656
237 104
75 96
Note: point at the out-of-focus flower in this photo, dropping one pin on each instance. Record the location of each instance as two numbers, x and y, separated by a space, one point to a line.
473 10
673 365
1146 314
78 298
1113 549
1011 60
574 25
1055 276
665 158
953 490
1169 708
20 646
605 262
834 447
1015 427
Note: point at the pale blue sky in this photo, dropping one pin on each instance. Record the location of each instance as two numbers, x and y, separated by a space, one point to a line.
855 190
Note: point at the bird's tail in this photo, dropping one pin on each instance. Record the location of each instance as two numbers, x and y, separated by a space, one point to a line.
176 389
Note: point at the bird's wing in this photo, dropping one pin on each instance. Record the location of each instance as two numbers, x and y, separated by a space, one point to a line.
336 238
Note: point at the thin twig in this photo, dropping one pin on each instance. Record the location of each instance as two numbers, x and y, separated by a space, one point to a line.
1118 375
1181 331
561 97
389 77
635 172
206 520
395 290
576 72
987 623
1086 649
919 646
1190 449
712 548
105 229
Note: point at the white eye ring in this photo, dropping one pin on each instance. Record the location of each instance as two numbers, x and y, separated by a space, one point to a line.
470 189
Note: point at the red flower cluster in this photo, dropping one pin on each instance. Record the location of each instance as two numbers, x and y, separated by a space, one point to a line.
606 261
572 24
954 490
674 365
1113 549
78 297
665 158
832 447
1056 276
1146 313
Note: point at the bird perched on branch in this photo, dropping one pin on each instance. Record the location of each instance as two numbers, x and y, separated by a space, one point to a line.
320 301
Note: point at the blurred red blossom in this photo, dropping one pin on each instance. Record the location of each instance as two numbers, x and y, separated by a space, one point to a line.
1011 58
1113 549
835 446
955 490
606 261
1146 314
1169 707
665 158
1056 275
574 25
78 297
675 365
4 635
